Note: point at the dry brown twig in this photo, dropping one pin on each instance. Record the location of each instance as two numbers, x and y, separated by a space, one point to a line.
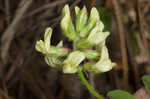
46 6
133 62
122 43
16 64
7 10
92 3
4 95
145 42
34 86
8 35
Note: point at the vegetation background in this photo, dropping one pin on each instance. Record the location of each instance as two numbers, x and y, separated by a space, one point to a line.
24 73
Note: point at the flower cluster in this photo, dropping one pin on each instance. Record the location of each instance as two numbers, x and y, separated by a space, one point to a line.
90 52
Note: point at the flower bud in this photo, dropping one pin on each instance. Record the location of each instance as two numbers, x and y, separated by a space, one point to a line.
94 17
66 24
72 62
81 18
77 10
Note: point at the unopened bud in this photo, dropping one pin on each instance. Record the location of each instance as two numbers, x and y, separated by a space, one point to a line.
81 18
94 17
66 24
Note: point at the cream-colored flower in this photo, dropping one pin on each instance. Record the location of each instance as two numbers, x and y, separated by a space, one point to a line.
66 24
72 62
52 54
104 64
97 35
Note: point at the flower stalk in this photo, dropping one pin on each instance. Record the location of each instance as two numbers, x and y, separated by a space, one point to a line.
89 87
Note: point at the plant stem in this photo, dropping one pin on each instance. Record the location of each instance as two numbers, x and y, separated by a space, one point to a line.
92 91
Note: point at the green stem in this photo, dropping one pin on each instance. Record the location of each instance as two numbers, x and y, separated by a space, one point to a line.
92 91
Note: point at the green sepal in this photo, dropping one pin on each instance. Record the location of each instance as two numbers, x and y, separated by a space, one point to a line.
90 67
57 51
91 54
83 43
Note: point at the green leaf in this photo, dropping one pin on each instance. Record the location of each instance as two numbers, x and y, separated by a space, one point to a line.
146 81
105 17
119 94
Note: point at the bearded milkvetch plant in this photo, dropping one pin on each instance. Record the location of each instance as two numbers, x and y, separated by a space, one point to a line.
88 44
